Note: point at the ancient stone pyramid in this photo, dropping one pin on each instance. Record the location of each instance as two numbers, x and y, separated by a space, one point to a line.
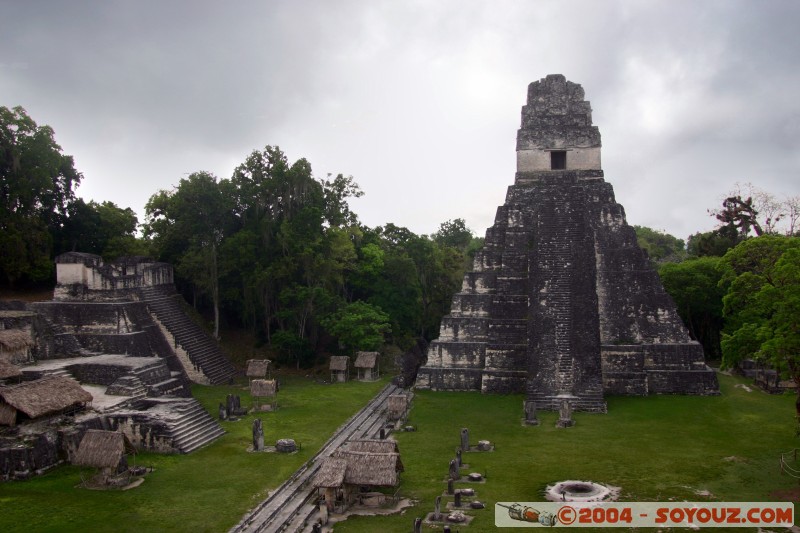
562 302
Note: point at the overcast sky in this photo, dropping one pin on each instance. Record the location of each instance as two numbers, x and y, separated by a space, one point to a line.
418 100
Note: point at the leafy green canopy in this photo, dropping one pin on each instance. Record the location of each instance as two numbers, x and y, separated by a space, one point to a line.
37 183
660 247
280 251
694 286
762 304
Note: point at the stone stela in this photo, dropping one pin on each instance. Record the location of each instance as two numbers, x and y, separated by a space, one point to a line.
561 301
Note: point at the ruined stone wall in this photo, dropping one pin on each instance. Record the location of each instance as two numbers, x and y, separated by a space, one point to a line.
144 432
135 344
85 277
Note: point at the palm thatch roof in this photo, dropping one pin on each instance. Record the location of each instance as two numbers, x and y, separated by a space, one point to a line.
263 387
331 473
15 339
102 449
372 446
7 370
257 368
339 362
366 359
45 396
371 469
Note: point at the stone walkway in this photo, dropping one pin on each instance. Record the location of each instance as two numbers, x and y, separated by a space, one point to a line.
290 507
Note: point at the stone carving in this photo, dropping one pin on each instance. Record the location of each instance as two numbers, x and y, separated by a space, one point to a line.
458 457
565 415
418 525
530 413
437 508
258 435
233 406
547 309
453 471
465 439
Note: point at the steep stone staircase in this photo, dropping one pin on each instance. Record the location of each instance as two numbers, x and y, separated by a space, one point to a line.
180 424
202 350
560 231
193 427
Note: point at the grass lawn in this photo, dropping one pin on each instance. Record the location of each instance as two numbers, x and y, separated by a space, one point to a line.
657 448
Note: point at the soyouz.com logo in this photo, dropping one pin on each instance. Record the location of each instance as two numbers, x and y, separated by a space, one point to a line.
641 514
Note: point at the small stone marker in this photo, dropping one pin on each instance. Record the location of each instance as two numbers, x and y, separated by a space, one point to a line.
286 445
464 439
530 413
477 505
229 404
223 413
450 489
437 508
484 445
258 435
565 415
457 502
458 457
474 476
453 472
418 525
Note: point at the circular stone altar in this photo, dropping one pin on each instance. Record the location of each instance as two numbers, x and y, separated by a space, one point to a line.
580 491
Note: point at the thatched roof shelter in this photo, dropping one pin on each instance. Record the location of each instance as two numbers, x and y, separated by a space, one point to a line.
257 368
339 363
371 469
7 370
366 359
45 396
102 449
14 340
331 473
372 446
397 405
263 388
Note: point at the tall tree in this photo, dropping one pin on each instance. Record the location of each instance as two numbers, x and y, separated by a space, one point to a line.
694 286
37 183
660 246
103 229
762 304
188 225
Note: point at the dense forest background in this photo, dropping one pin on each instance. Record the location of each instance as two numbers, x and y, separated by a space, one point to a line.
276 251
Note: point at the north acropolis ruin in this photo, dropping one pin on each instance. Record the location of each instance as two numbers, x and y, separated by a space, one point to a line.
562 303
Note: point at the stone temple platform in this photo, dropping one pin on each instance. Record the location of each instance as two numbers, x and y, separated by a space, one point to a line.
561 302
